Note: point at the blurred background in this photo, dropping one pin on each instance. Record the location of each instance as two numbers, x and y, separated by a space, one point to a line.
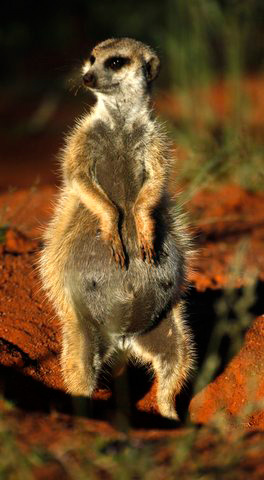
210 90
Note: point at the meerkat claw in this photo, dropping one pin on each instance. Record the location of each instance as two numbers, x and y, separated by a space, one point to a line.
147 252
118 255
150 255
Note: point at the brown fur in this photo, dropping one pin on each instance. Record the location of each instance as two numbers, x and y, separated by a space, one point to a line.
116 252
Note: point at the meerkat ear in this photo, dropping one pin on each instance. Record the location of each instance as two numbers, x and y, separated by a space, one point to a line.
152 68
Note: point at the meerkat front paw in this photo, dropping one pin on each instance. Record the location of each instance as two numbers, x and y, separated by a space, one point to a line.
118 251
146 248
145 229
113 239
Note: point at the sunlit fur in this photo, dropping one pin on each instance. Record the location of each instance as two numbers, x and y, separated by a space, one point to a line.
116 252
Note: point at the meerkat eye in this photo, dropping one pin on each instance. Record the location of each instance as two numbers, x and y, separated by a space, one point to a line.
115 63
92 59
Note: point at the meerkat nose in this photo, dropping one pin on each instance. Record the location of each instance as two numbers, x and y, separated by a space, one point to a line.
89 80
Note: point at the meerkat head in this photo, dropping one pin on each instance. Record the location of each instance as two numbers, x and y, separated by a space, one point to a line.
120 65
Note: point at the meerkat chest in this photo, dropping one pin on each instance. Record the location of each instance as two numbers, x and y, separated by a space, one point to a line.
118 160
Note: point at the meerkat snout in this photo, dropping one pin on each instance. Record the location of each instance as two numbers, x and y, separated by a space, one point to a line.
89 79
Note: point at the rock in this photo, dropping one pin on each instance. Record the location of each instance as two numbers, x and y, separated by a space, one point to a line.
238 393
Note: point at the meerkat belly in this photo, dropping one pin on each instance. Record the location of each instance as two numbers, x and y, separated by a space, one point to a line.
127 301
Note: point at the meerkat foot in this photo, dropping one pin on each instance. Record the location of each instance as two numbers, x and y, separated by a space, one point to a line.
80 358
168 347
75 380
168 410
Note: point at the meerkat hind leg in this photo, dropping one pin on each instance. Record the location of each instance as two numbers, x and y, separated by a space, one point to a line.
168 347
82 354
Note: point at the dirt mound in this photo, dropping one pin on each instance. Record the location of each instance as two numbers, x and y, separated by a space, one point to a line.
29 331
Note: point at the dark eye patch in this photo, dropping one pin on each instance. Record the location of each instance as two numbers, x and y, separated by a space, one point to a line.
116 63
92 59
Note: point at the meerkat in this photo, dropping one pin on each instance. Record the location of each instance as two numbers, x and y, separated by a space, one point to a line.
116 251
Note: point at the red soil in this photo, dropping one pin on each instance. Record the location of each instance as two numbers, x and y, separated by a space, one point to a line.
29 332
230 225
237 395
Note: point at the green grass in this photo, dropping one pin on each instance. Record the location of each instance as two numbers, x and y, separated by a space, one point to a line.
3 230
204 42
216 151
197 454
14 463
